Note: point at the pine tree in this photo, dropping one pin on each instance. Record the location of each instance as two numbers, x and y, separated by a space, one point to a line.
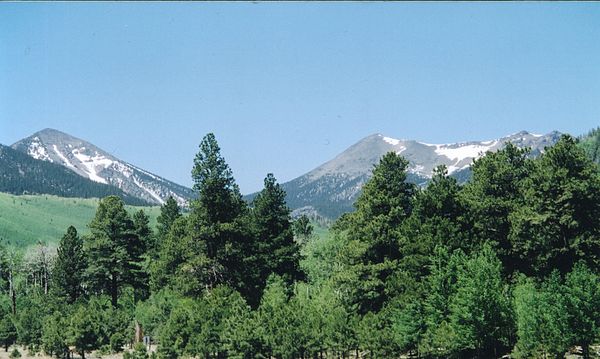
69 268
169 212
541 318
382 207
276 250
217 221
219 198
8 331
303 229
582 289
480 314
558 223
373 233
493 196
141 252
436 220
114 250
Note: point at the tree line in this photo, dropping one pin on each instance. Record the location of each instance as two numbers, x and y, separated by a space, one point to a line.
507 263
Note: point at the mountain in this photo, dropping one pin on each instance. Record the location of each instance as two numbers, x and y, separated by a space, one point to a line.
22 174
89 161
331 189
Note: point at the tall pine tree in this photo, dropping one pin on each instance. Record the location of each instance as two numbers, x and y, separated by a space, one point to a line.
169 212
69 267
114 250
276 250
372 234
218 221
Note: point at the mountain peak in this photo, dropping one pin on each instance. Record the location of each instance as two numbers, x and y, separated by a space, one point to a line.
90 161
332 187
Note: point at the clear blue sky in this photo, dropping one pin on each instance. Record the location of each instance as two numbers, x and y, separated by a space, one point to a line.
287 86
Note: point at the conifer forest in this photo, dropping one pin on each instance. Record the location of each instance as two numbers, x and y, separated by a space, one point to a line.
506 264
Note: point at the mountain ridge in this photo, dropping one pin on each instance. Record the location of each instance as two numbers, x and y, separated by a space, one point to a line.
22 174
331 188
89 161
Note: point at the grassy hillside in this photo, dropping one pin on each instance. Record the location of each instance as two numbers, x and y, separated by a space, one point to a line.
25 220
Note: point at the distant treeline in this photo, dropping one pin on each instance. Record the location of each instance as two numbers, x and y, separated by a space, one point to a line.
506 264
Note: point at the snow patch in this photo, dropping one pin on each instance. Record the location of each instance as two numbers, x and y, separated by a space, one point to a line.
418 169
489 143
391 141
401 149
63 158
149 190
461 152
452 169
38 151
92 163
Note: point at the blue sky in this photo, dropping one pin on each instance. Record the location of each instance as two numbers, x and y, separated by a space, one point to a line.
287 86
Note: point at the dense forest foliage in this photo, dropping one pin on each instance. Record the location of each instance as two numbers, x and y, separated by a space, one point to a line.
591 144
507 263
22 174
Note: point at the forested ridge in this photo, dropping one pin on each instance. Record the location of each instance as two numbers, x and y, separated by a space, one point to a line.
505 264
22 174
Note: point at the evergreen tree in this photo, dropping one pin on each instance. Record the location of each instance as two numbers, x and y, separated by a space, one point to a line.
480 311
436 220
493 195
84 331
219 198
172 267
582 290
303 229
276 319
382 207
372 250
541 318
69 267
558 223
8 331
54 335
440 337
591 144
145 245
114 250
218 221
169 212
276 250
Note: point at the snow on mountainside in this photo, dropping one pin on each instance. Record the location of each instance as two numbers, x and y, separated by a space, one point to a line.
91 162
332 188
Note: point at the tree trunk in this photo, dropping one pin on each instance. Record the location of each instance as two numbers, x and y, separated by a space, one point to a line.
585 351
114 292
11 289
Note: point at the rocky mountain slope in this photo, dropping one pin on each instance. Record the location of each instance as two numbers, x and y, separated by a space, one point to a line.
330 189
89 161
22 174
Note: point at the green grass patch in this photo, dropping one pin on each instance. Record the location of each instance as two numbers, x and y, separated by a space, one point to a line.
29 219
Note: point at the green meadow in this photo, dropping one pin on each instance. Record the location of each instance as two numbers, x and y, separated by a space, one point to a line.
28 219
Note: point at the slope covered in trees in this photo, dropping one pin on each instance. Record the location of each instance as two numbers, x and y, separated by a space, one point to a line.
22 174
506 264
